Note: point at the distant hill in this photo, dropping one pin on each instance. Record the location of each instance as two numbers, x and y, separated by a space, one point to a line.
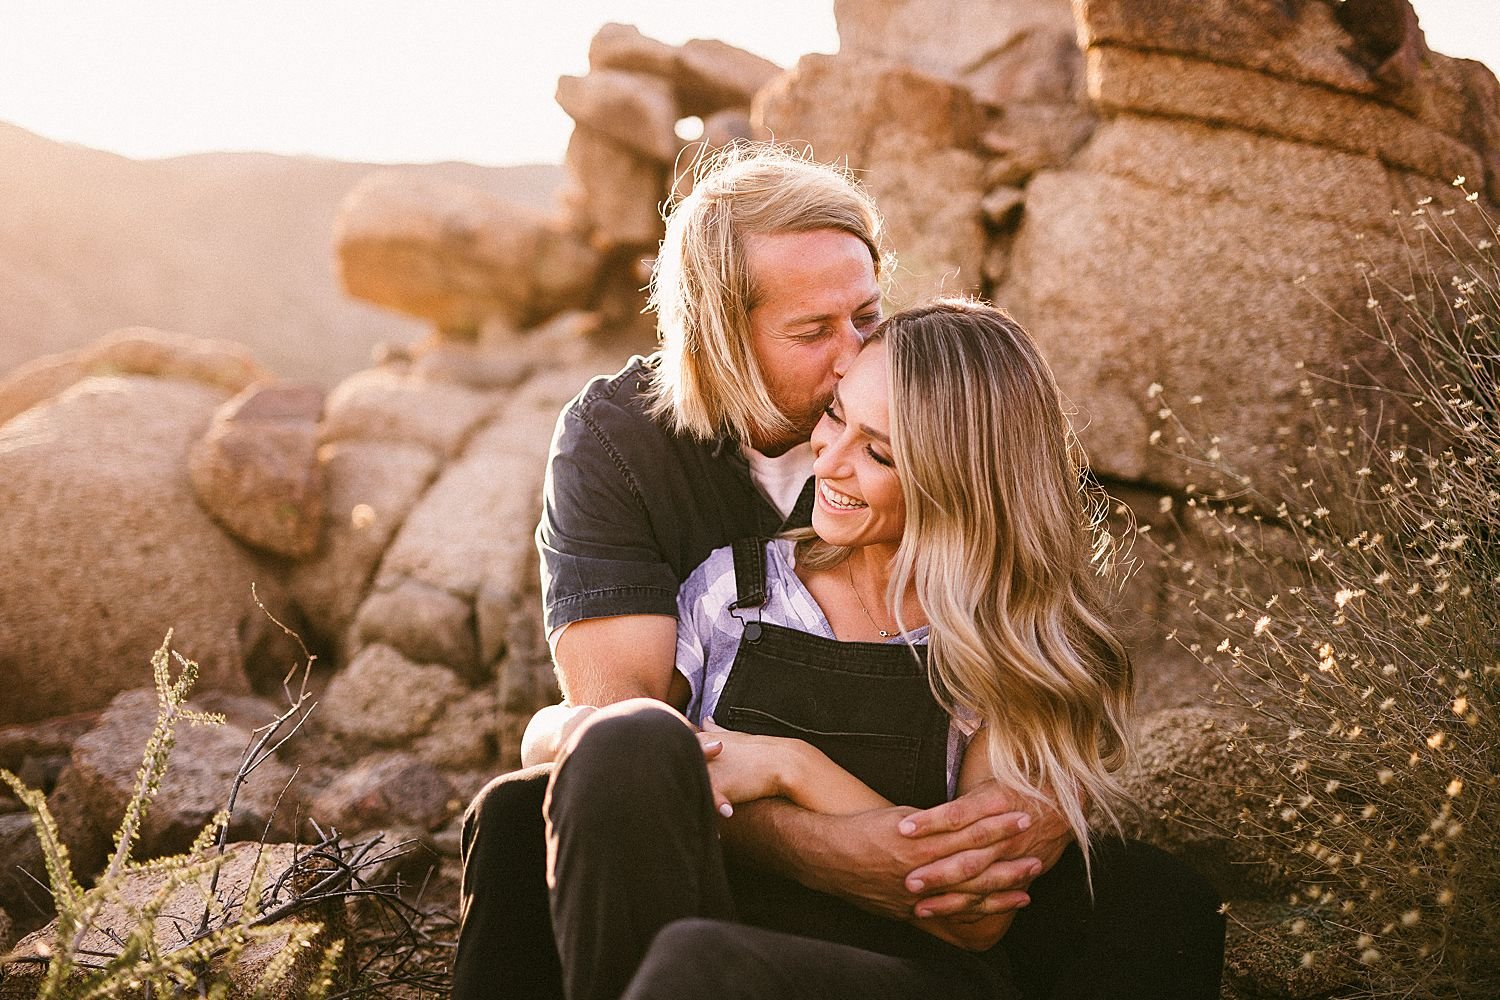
231 245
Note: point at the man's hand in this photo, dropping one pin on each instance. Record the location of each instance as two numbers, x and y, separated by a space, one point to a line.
865 859
982 878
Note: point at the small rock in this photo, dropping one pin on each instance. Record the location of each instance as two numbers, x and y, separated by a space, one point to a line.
1002 205
712 75
50 737
425 623
622 46
93 791
635 110
23 874
371 486
391 789
256 469
384 699
464 738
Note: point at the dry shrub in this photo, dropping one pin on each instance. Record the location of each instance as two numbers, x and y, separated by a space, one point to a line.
1354 609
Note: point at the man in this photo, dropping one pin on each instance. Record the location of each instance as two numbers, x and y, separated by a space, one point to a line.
768 281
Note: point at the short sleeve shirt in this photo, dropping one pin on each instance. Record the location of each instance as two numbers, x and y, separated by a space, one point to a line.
630 508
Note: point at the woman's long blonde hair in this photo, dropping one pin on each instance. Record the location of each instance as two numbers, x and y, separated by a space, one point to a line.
1004 544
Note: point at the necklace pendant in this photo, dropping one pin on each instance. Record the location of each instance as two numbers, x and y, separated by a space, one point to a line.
884 634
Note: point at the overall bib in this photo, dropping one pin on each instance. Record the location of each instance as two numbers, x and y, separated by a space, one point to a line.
869 707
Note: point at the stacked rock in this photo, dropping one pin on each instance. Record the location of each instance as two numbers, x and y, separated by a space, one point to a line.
637 111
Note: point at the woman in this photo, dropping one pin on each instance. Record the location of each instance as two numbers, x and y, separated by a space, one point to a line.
942 629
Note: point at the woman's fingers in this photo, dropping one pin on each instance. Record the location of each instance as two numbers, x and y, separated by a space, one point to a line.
712 745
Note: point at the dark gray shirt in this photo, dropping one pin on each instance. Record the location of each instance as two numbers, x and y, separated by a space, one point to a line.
629 508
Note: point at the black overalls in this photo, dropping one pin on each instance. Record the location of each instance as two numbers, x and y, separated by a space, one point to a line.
869 707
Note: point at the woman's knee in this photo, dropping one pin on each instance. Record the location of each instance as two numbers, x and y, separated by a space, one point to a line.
509 806
689 957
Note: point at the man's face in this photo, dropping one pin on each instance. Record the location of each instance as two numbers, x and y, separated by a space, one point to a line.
817 301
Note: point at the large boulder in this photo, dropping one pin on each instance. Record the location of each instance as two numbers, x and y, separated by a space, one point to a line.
613 192
456 255
1008 51
107 549
1352 77
1139 264
93 792
914 139
256 470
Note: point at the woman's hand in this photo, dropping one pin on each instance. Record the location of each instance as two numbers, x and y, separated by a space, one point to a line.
743 767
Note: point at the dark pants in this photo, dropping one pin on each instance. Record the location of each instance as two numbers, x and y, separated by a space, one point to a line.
635 856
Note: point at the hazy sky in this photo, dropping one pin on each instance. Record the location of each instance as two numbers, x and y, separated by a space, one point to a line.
384 80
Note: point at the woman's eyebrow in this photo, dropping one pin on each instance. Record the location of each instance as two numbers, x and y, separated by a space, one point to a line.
877 435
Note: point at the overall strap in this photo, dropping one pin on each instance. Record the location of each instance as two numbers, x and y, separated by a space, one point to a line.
750 584
749 573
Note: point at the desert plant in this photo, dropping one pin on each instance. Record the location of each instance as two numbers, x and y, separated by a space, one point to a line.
1352 610
139 962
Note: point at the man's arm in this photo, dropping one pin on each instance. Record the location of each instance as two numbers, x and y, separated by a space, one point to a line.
601 661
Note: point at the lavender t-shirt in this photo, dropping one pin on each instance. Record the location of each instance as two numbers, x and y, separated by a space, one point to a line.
708 636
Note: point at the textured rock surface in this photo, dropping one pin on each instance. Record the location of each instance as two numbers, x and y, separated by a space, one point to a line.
256 470
457 255
613 193
386 404
622 46
101 778
913 138
1192 788
107 549
1139 263
1003 53
384 790
371 485
384 699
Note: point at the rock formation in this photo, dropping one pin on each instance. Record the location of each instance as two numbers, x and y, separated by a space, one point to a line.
1169 194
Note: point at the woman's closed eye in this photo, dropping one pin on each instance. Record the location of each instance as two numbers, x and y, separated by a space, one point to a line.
831 412
889 463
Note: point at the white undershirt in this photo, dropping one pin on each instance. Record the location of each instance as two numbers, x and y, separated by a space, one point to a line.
779 480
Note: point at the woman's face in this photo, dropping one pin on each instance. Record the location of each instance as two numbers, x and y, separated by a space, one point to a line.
859 498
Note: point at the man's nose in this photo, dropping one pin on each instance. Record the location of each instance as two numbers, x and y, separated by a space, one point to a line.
850 341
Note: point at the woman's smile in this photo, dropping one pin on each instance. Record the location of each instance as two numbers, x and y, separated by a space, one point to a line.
839 500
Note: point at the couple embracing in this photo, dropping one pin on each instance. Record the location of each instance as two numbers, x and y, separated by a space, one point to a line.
843 703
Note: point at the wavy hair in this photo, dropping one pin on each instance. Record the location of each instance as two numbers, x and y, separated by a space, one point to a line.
708 382
1004 544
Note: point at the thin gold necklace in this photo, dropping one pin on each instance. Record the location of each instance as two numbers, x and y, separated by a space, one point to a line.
883 633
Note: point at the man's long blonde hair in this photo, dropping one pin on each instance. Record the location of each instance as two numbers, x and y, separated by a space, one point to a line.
1004 544
708 382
